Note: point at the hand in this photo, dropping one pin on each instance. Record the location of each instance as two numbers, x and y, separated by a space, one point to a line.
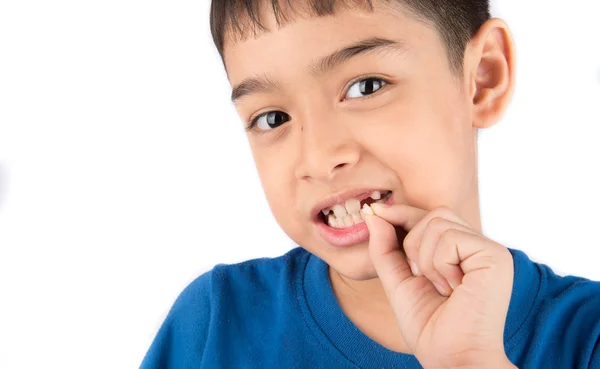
451 307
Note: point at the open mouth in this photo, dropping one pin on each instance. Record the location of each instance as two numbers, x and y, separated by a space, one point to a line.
352 211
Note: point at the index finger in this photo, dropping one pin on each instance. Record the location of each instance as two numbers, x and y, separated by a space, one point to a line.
402 215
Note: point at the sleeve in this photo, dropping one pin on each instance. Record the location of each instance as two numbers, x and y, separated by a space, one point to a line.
566 324
577 325
181 339
595 360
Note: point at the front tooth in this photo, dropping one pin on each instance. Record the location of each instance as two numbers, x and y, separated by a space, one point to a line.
339 211
376 195
352 206
367 209
332 221
348 221
356 218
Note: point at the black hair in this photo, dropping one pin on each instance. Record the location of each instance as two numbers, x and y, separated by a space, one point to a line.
455 20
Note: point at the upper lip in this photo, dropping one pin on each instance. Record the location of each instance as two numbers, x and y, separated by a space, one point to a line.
339 198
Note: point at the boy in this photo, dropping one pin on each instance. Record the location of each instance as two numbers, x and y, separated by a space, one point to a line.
362 118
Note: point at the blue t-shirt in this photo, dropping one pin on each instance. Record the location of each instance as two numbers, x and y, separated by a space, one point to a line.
282 313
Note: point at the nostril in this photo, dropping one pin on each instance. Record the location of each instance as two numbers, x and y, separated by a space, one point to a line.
339 166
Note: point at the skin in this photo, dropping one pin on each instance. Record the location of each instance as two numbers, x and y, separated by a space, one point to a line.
416 136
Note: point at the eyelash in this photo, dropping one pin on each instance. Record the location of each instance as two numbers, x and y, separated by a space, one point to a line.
253 121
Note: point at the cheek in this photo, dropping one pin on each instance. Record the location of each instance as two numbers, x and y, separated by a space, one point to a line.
275 170
275 183
429 147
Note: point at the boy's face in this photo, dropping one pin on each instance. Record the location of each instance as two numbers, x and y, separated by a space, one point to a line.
406 129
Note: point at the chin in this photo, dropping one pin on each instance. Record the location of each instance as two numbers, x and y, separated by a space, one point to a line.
353 263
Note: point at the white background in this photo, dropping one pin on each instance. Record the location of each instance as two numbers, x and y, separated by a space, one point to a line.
125 173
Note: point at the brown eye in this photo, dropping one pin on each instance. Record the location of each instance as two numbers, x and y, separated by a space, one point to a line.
365 87
271 120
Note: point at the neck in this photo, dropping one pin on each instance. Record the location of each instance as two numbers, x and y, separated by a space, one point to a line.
367 306
364 293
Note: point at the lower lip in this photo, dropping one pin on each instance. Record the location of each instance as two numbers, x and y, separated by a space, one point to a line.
345 237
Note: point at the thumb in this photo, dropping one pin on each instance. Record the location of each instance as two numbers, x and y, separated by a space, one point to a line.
387 256
413 299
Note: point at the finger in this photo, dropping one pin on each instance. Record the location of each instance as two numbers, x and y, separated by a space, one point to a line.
428 248
402 215
446 259
387 257
487 265
414 239
416 234
405 216
413 299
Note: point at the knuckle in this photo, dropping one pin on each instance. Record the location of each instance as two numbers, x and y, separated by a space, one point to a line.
444 248
438 261
448 236
436 223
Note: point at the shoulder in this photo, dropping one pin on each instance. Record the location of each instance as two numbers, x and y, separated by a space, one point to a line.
256 276
566 295
565 319
220 298
554 288
571 307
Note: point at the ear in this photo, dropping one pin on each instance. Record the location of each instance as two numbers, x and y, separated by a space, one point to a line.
490 72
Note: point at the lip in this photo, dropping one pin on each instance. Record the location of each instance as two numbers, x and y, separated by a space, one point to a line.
345 237
339 198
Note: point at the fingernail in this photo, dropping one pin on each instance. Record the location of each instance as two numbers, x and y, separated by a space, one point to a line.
439 288
413 267
452 285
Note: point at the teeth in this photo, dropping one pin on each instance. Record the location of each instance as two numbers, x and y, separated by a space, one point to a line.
367 209
350 213
339 211
332 221
348 221
352 206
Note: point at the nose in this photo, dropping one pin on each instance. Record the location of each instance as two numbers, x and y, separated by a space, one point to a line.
327 149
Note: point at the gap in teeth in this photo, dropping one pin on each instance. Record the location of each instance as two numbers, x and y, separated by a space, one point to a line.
349 214
353 205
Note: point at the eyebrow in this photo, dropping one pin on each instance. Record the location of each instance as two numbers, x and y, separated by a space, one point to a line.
265 83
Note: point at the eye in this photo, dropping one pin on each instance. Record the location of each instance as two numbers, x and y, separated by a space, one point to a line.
269 120
364 87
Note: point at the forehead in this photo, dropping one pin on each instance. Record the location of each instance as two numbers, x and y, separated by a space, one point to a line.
297 44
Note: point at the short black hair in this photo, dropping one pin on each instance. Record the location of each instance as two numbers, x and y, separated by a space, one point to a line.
455 20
